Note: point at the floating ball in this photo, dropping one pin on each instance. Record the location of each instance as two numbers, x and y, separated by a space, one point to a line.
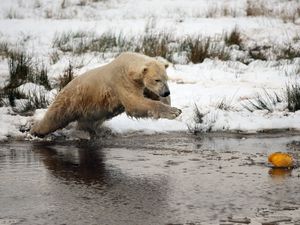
279 159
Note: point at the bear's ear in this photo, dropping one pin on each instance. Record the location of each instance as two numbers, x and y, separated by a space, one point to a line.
138 74
145 70
165 62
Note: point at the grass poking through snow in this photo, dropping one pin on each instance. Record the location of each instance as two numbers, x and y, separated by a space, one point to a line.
265 101
293 97
23 69
233 38
67 76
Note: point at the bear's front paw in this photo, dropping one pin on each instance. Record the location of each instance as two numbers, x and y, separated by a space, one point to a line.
174 112
171 113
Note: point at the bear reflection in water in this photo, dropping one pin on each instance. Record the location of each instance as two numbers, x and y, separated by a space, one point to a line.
84 175
79 164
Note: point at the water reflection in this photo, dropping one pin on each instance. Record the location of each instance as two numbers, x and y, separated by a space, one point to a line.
83 163
104 191
280 173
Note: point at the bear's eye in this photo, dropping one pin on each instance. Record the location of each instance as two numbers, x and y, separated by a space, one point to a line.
158 80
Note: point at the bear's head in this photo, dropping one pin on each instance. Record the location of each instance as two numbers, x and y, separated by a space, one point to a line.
154 78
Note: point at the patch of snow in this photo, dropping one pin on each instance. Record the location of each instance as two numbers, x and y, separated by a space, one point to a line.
10 124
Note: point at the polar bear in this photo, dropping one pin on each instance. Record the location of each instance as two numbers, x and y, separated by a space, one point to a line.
132 83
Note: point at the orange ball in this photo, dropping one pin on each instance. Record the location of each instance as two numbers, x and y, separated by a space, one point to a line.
279 159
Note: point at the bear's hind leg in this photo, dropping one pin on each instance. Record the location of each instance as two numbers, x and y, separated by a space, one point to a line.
55 118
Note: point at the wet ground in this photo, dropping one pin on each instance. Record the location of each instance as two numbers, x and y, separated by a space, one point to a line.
156 179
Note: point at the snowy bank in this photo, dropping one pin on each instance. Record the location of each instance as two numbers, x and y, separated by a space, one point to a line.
203 85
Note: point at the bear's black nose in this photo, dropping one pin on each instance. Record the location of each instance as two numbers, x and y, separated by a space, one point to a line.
167 93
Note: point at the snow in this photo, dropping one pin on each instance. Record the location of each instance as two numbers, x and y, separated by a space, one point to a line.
206 85
10 124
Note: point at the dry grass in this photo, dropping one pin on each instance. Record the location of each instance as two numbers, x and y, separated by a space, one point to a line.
268 101
197 48
233 38
67 76
256 8
110 42
54 57
292 92
4 49
152 43
156 44
35 100
265 101
226 104
81 42
198 121
191 49
22 69
13 14
289 52
259 53
218 10
286 12
86 2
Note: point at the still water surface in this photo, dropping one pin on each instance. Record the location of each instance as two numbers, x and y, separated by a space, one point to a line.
154 179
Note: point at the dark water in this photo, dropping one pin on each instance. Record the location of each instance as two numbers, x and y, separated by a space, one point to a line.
157 179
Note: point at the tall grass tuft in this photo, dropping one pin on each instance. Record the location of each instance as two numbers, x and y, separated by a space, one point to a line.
110 42
258 53
81 42
40 76
67 76
269 101
12 95
198 121
54 57
155 44
293 96
197 48
63 41
233 38
225 104
289 52
256 8
35 100
266 101
22 69
4 49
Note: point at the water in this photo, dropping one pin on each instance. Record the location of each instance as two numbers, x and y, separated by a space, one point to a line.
154 179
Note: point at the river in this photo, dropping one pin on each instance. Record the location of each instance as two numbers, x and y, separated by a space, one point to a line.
138 179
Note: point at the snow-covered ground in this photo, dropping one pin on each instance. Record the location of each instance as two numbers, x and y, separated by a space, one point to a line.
220 89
